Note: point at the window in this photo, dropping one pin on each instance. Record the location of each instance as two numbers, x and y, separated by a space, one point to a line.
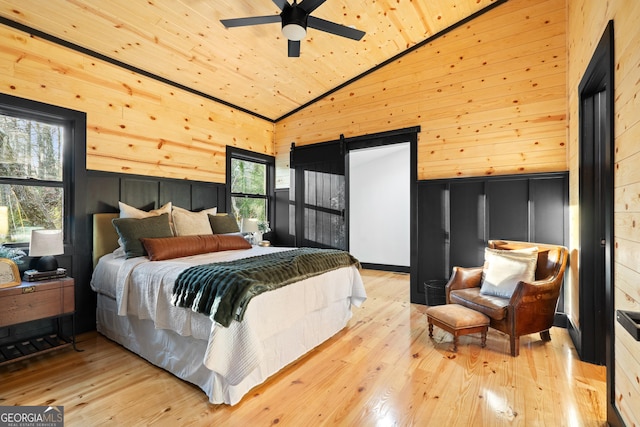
32 161
250 183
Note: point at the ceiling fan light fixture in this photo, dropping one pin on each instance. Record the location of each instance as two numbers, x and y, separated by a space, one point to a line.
294 22
295 19
294 32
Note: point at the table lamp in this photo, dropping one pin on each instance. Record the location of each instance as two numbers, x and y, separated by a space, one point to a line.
4 221
250 226
45 244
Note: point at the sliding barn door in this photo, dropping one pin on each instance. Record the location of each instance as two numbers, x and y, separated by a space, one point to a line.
318 193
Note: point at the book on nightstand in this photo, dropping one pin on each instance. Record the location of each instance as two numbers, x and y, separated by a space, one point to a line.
35 275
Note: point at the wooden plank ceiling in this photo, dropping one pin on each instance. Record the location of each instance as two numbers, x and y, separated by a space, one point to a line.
248 67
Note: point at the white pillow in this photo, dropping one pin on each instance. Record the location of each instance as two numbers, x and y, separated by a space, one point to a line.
187 223
503 269
127 211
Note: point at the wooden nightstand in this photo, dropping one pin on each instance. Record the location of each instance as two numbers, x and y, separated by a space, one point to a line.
47 299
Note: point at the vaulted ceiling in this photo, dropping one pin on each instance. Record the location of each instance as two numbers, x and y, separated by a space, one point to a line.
184 42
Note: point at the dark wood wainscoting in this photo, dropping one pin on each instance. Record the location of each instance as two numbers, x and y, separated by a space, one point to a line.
105 190
285 210
456 218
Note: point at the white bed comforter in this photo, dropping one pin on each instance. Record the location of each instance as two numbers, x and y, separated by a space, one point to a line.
144 289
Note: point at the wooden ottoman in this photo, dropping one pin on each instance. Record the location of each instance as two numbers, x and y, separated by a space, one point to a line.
457 320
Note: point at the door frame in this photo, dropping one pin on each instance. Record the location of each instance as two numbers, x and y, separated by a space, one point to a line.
599 77
409 135
341 147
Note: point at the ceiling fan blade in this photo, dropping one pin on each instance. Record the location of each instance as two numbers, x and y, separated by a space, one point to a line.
281 3
310 5
252 20
333 28
294 48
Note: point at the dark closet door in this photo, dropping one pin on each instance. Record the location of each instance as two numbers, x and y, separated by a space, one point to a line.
467 218
433 232
508 209
549 210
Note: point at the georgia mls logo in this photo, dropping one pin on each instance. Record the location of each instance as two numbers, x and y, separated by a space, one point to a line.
55 409
31 416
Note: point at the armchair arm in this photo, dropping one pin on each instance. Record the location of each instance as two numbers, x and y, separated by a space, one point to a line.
532 306
463 278
535 291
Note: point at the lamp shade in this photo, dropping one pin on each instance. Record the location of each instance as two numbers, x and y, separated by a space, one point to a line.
45 243
4 221
250 225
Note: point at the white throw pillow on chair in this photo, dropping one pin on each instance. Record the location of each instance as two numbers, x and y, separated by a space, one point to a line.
503 269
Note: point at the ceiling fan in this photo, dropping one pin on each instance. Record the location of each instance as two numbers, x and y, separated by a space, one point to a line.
295 19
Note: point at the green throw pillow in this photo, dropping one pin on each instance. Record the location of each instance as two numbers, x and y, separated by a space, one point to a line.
223 224
131 230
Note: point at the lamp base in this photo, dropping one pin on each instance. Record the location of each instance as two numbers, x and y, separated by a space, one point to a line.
45 263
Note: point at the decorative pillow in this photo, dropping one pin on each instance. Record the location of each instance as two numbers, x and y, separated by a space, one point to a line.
131 230
210 211
503 269
229 242
223 224
187 223
175 247
179 246
127 211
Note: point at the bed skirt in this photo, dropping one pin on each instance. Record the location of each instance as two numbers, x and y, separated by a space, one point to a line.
183 355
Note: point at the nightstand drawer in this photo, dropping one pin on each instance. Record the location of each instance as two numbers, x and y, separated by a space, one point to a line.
36 300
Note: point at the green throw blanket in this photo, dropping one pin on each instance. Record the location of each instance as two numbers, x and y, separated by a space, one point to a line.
224 289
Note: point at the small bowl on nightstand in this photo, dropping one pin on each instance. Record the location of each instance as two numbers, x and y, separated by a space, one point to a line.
264 243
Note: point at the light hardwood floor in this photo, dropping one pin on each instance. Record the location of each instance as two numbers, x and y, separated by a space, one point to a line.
381 370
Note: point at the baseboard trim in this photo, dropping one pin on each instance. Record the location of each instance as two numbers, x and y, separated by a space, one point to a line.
386 267
560 320
574 334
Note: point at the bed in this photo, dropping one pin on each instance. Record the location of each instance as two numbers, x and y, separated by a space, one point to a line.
134 309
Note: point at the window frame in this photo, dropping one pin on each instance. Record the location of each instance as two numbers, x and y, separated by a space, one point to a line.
251 156
50 114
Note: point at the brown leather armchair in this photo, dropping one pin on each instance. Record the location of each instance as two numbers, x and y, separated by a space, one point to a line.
532 306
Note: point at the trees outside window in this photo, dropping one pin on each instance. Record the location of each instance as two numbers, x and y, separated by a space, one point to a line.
249 189
31 177
250 183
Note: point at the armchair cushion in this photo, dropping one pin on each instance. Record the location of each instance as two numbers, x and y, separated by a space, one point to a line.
492 306
503 269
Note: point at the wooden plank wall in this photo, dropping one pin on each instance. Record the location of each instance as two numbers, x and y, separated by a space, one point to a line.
490 97
135 124
586 23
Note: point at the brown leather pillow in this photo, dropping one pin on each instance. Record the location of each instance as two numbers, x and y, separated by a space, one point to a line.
230 242
163 248
176 247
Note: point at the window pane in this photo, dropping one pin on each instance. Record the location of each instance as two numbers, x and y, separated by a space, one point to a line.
23 208
248 177
30 149
248 207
